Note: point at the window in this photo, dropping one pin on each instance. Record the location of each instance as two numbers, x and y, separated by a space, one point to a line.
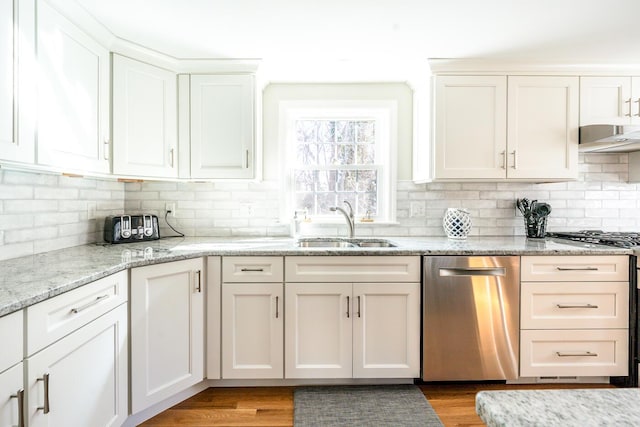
335 154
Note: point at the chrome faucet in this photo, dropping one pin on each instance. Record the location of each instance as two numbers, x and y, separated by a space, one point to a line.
348 216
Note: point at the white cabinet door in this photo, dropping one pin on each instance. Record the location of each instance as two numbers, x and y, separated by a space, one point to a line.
17 85
222 126
470 127
86 376
318 335
167 330
12 396
542 127
252 330
145 116
73 96
613 100
386 330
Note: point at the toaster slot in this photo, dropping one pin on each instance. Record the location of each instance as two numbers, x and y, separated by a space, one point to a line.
125 226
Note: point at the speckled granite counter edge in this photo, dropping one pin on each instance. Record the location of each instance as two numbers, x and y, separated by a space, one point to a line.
567 408
28 280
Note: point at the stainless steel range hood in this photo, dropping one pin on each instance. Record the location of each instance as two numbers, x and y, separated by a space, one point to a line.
609 139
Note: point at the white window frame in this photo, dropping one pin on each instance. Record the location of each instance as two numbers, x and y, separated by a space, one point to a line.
386 116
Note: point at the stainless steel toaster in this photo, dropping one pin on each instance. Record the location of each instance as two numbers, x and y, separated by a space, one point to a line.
131 228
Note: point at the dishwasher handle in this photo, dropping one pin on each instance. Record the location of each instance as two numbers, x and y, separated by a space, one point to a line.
472 271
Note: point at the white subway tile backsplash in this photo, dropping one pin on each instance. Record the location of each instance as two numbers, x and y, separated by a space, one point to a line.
30 206
40 212
10 191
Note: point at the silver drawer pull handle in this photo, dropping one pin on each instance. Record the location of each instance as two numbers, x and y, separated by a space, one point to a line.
473 271
45 408
20 396
77 310
577 268
586 353
256 270
348 306
199 282
576 306
277 307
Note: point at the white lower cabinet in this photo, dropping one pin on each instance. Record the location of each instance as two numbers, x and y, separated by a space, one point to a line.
359 330
12 396
167 330
318 330
574 316
81 380
252 336
386 330
12 393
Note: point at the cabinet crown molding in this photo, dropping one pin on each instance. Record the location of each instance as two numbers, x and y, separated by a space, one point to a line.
479 66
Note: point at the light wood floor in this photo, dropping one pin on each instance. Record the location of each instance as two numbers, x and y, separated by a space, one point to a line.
273 406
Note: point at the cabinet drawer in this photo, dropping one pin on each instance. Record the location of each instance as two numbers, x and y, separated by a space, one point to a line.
574 305
54 318
574 353
250 269
352 269
11 337
574 268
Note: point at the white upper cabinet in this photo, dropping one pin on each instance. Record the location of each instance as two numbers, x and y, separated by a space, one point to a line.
222 126
17 88
73 96
497 127
542 127
470 127
145 115
609 100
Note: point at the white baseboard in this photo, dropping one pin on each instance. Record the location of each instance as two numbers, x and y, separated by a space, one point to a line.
560 380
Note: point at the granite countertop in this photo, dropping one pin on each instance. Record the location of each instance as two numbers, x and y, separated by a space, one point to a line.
566 408
27 280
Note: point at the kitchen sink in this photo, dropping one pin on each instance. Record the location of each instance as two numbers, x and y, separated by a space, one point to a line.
376 244
344 243
324 244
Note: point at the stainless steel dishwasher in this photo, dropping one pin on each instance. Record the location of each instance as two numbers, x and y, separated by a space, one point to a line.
471 319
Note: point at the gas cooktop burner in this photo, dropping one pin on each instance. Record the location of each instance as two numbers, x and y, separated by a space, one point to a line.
598 237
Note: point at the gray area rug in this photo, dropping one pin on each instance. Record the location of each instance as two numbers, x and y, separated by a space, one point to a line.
377 405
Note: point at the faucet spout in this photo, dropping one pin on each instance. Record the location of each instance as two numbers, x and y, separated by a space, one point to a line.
348 216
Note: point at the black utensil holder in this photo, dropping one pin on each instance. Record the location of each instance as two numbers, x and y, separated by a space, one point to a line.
536 228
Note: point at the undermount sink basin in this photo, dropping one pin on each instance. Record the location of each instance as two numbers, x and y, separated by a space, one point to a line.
343 243
376 244
324 244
